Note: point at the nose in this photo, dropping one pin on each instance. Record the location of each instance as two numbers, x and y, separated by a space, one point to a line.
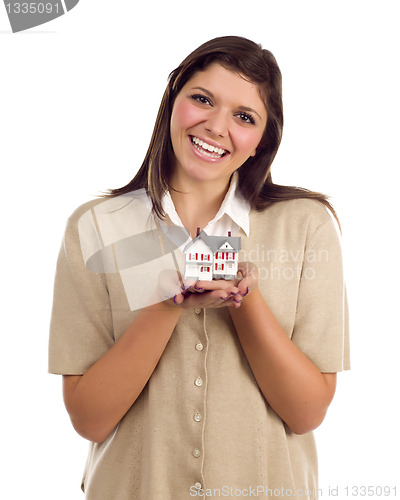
217 123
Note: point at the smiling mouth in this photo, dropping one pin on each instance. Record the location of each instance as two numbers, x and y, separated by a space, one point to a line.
208 149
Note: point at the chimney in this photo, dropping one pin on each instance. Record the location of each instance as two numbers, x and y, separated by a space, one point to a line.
229 234
198 232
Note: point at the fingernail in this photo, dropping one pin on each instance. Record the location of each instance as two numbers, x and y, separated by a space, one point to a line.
174 299
247 291
198 289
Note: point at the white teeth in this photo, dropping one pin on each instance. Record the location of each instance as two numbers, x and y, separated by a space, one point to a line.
218 152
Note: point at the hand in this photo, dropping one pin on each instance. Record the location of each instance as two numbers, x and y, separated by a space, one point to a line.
247 277
219 293
208 294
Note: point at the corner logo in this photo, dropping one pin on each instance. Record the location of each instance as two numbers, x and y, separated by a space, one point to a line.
25 15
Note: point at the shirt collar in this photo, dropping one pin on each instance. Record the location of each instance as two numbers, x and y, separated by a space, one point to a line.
234 205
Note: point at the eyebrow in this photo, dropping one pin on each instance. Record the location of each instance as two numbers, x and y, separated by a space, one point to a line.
243 108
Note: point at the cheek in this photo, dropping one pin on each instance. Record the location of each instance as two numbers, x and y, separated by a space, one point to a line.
246 142
184 115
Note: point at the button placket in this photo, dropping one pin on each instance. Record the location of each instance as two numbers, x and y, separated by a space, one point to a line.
199 346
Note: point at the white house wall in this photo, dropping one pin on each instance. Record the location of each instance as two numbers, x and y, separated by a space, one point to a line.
200 248
226 246
204 261
200 256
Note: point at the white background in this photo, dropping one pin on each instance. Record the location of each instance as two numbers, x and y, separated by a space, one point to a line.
79 97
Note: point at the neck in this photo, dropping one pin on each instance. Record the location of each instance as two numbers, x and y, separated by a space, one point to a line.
197 203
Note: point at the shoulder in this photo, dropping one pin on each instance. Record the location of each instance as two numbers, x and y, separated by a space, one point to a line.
113 207
82 209
103 221
299 218
302 209
110 204
95 226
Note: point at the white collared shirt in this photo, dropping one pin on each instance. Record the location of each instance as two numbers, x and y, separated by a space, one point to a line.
233 214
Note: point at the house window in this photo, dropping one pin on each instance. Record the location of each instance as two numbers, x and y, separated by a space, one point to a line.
204 269
199 257
219 267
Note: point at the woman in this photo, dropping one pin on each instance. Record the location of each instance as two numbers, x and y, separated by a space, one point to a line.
210 388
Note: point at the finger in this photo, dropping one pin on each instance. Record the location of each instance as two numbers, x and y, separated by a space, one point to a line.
210 299
213 284
196 289
234 301
230 287
187 284
244 287
178 299
252 273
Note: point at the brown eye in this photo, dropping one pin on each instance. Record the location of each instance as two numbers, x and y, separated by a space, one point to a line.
245 117
201 99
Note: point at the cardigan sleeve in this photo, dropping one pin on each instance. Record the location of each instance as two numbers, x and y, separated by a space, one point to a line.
81 322
321 322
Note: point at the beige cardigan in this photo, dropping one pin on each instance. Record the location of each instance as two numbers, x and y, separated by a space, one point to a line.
201 426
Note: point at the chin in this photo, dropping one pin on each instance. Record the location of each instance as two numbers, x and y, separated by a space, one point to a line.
202 175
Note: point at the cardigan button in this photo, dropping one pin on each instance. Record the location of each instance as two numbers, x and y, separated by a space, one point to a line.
197 310
197 486
197 416
196 453
198 381
199 346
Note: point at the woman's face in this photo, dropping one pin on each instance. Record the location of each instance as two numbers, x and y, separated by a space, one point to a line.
217 121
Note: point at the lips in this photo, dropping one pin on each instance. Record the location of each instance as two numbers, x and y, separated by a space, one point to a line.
207 149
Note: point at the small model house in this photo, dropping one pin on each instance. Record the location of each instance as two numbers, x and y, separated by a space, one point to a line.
212 257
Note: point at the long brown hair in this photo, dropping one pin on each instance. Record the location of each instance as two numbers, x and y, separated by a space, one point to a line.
259 66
